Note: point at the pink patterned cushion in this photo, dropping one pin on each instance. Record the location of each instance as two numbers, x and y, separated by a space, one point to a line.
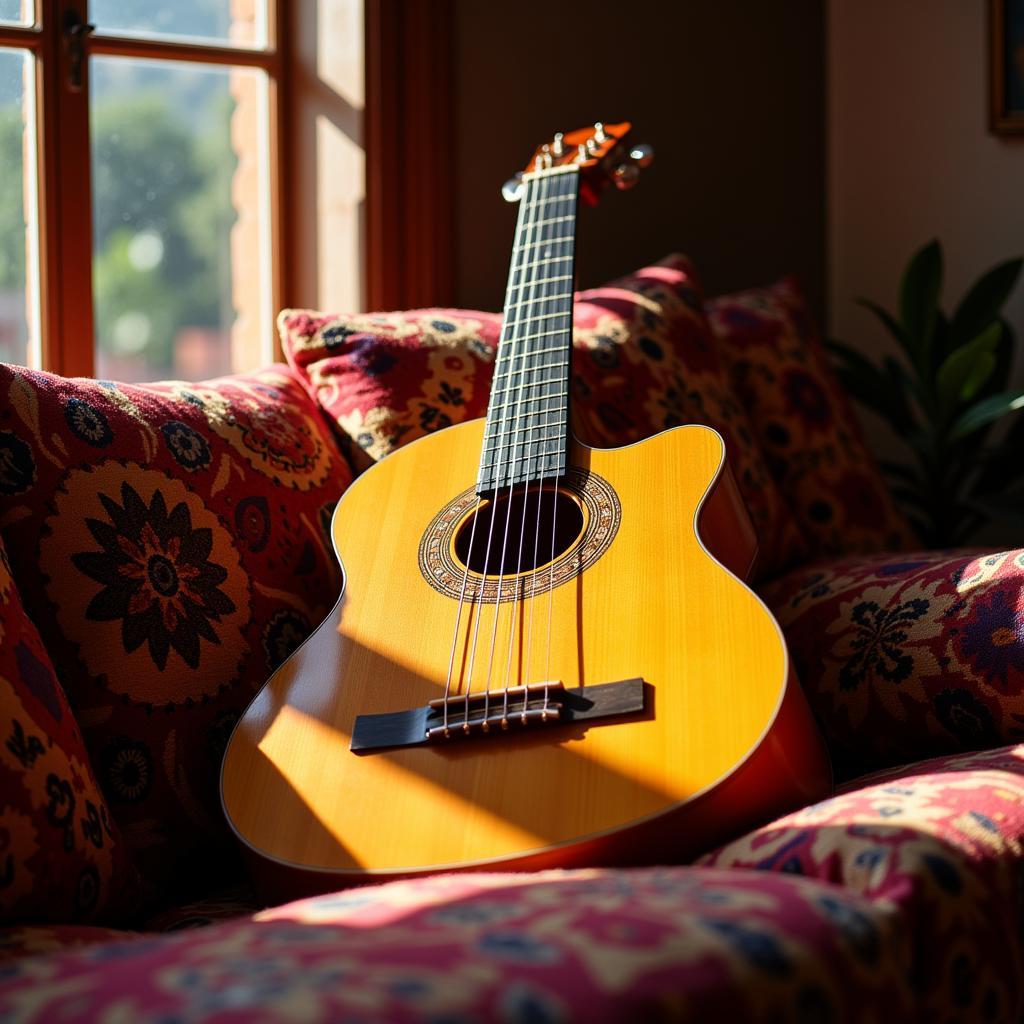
942 841
803 422
45 940
605 946
907 656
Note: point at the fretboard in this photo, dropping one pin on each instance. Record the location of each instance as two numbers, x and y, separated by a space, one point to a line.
527 432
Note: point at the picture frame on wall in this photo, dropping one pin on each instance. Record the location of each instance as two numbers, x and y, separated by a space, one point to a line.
1007 66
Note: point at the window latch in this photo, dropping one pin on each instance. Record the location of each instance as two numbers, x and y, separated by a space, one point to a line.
76 29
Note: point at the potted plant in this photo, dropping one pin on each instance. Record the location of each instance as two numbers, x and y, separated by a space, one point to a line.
946 395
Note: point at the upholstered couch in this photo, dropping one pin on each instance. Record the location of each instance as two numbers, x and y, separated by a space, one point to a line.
165 547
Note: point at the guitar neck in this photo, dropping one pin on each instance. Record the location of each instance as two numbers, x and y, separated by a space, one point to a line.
527 432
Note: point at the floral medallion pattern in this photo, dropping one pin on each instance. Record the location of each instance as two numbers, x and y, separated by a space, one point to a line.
62 858
803 423
158 584
644 361
905 656
157 531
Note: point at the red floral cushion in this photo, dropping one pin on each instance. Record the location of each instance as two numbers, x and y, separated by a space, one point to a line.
907 656
644 361
62 857
803 422
170 541
659 945
45 940
942 841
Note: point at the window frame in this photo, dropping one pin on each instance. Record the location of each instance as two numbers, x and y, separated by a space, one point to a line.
63 189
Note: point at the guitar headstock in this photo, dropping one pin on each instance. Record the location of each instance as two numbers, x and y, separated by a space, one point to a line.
601 153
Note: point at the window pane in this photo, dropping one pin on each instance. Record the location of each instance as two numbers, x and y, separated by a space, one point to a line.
180 219
17 12
237 22
18 284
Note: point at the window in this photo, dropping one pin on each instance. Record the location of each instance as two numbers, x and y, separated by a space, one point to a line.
139 185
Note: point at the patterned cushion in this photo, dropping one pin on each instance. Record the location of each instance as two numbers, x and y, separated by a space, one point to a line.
44 940
169 541
62 858
943 841
682 944
803 423
644 361
908 656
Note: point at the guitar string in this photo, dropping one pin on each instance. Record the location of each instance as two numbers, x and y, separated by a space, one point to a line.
571 199
554 524
478 614
522 353
528 444
476 515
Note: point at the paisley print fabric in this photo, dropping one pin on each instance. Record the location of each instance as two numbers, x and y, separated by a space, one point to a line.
385 379
803 423
62 856
944 842
644 361
171 542
906 656
680 944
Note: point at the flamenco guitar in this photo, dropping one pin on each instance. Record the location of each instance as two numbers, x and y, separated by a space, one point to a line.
543 654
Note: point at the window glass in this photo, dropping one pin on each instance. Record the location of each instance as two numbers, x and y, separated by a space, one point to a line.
18 261
180 219
235 22
17 12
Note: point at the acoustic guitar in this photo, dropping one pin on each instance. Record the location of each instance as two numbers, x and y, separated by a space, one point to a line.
543 654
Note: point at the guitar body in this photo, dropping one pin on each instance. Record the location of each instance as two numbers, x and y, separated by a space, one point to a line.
724 739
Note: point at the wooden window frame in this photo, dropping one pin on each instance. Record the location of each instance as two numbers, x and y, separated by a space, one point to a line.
64 193
409 241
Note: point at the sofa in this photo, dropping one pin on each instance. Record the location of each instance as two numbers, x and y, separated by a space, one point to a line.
166 546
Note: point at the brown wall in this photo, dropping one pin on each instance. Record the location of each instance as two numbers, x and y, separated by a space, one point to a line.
729 92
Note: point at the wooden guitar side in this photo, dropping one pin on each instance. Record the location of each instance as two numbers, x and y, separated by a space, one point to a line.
726 739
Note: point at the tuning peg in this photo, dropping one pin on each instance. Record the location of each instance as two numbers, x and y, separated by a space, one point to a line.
626 176
642 155
558 145
512 190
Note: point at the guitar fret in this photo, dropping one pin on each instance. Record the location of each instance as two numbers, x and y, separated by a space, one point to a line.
568 258
545 316
533 426
546 280
533 384
543 241
526 401
513 444
532 369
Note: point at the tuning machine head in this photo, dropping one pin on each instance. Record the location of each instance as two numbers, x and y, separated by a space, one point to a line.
627 174
512 190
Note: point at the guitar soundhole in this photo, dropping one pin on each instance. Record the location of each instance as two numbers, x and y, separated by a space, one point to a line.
519 532
583 513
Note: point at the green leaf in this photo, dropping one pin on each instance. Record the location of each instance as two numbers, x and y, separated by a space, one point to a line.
985 300
889 322
988 410
966 369
919 300
870 386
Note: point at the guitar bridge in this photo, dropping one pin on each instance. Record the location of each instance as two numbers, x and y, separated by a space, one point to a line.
496 713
